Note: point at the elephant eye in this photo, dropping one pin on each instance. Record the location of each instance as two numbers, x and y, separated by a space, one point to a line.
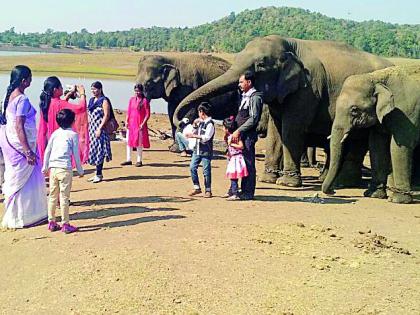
354 111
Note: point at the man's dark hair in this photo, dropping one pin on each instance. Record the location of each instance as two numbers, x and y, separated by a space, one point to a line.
65 118
249 75
205 107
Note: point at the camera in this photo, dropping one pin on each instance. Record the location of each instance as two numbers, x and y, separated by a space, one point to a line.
72 89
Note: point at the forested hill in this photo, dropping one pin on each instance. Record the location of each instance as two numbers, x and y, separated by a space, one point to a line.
231 33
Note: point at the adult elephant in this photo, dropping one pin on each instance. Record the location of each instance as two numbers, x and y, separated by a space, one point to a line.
174 77
300 80
388 102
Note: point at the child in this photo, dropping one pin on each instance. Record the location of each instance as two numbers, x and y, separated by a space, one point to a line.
63 144
185 145
236 167
203 151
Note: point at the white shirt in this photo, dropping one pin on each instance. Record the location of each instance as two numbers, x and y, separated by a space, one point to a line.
208 134
62 145
245 98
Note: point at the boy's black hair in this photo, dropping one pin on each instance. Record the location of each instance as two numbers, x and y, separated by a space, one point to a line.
65 118
205 107
230 124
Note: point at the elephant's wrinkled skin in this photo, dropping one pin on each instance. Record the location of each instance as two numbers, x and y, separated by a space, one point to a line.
173 78
300 80
388 102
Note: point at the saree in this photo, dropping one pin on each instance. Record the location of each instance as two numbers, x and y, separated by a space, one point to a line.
24 185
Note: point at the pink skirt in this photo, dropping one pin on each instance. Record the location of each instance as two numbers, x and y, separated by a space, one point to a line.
236 167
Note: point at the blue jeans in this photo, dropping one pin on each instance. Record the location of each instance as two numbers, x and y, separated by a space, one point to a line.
195 161
234 187
182 141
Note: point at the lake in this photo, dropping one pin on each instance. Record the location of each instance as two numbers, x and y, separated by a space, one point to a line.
19 53
118 91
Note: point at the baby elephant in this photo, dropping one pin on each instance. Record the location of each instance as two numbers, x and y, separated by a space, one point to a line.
388 102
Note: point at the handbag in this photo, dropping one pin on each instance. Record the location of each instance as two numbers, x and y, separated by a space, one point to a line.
111 126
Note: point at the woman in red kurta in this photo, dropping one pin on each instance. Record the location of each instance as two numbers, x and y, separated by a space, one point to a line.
50 104
138 113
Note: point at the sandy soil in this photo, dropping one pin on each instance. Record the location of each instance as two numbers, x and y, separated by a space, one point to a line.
145 247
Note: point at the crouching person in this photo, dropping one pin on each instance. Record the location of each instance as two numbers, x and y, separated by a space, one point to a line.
203 151
62 146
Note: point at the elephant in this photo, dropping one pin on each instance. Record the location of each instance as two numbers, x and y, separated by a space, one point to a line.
300 80
388 103
174 77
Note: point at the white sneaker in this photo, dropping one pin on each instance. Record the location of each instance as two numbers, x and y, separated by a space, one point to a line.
97 179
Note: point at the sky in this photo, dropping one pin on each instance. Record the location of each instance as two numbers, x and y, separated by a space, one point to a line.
112 15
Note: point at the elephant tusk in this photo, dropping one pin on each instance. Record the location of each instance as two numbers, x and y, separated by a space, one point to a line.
344 137
329 137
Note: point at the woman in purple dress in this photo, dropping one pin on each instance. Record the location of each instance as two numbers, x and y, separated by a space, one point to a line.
24 185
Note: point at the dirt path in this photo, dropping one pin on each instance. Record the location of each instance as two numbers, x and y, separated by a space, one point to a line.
147 248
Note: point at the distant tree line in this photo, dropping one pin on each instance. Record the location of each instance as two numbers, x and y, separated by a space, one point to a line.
231 33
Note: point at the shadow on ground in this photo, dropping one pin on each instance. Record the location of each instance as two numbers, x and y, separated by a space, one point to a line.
125 200
89 228
319 200
110 212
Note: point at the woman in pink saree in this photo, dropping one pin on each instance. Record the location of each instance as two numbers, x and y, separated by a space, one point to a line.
24 185
50 104
138 113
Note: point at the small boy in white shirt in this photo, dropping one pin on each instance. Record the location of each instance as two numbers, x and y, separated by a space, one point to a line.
62 145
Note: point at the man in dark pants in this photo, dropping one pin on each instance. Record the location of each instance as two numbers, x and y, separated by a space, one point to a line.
248 116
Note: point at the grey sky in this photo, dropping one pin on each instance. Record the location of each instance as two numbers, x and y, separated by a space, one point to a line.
109 15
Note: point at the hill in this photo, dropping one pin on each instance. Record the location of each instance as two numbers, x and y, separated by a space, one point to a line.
231 33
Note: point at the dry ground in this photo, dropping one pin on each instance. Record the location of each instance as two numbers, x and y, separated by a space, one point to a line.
145 247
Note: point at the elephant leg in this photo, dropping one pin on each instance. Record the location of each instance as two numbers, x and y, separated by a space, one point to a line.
273 154
293 147
311 152
401 159
324 170
304 160
171 110
380 162
350 174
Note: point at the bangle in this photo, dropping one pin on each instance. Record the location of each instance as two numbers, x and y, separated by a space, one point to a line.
82 94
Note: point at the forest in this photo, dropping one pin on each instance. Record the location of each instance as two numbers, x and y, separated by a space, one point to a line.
231 33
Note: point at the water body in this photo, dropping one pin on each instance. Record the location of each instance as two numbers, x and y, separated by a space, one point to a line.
118 91
20 53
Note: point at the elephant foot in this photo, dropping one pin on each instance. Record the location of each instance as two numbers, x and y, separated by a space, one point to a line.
268 177
379 193
290 180
401 198
174 148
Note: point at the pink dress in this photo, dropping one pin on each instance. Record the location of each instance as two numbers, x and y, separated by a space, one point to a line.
138 112
236 167
80 126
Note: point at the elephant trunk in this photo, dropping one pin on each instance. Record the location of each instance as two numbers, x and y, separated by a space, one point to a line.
338 136
222 84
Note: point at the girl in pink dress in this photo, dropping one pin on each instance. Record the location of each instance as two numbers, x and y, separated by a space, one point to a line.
236 167
138 113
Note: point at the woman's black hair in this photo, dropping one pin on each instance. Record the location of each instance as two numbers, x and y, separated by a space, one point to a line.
98 85
50 84
19 73
65 118
140 87
230 124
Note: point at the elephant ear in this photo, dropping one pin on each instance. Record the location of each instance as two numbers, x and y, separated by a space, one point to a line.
171 78
290 75
384 101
